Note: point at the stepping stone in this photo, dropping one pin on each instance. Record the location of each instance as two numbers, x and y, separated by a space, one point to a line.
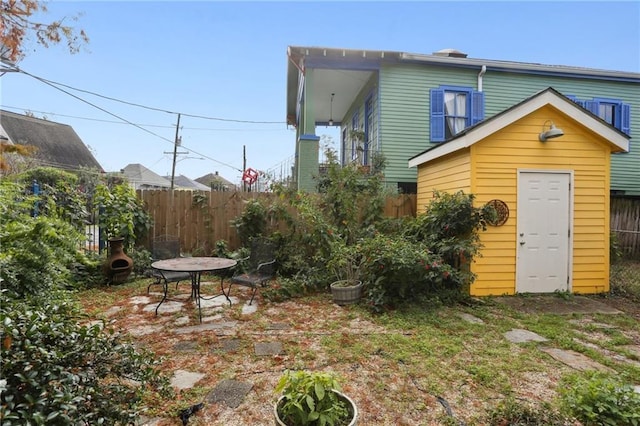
187 346
278 326
518 335
212 318
576 360
231 392
140 300
167 307
249 309
145 329
181 321
470 318
227 345
112 311
205 327
185 379
217 301
268 348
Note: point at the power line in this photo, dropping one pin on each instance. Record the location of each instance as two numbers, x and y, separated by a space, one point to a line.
125 120
203 117
162 126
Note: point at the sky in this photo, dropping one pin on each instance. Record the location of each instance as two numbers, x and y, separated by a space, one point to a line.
227 62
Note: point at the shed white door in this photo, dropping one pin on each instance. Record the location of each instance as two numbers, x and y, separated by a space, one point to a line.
543 232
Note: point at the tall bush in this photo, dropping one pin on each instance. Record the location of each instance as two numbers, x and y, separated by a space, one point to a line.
122 214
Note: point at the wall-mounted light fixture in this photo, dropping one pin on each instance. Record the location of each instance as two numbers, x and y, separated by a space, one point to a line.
553 132
331 110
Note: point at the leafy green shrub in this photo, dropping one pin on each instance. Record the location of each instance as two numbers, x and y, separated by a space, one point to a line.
57 372
122 214
309 400
601 400
400 271
514 412
60 194
450 228
36 255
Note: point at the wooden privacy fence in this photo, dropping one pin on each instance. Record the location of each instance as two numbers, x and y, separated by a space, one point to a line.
625 222
199 219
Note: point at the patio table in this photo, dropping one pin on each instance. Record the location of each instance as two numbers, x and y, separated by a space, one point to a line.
195 266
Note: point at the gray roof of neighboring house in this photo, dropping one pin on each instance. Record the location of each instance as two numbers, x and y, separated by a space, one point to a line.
57 145
183 182
143 178
216 179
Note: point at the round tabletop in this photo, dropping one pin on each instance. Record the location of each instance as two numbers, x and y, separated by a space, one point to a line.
194 264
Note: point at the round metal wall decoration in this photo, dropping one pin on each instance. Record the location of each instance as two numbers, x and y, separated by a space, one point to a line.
502 211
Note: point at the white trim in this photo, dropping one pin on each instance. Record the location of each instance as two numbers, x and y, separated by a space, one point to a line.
571 200
502 120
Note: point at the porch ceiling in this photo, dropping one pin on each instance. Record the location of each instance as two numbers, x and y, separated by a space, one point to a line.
345 84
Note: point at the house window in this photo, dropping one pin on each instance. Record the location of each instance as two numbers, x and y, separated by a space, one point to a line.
613 111
453 109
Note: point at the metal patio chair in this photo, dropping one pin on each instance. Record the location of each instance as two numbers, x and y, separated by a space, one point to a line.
166 247
257 269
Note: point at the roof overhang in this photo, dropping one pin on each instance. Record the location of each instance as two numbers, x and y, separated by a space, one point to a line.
619 141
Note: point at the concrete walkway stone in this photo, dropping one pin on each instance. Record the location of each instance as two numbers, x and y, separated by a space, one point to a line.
185 379
168 307
187 346
231 392
228 345
470 318
249 309
268 348
140 300
576 360
278 326
518 335
145 329
206 327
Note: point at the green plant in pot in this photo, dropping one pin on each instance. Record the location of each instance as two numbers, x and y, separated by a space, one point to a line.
312 398
347 263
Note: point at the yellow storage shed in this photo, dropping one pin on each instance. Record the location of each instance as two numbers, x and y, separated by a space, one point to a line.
545 165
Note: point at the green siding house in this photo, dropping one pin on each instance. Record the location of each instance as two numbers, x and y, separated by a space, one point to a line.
400 104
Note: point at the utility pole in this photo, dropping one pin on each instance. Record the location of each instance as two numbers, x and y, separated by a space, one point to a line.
244 166
175 152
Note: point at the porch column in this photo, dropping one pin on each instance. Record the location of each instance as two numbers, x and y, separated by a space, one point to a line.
307 143
307 162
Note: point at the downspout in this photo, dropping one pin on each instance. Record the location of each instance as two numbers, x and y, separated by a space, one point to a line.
480 74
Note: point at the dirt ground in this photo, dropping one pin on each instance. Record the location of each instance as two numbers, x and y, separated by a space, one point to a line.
571 304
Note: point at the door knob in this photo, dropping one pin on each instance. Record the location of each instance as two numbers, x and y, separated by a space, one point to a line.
521 243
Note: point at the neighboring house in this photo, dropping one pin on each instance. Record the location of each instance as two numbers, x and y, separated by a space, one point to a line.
216 182
183 182
402 104
56 145
142 178
552 195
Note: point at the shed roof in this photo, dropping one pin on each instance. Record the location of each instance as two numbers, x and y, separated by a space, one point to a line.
57 145
181 181
619 141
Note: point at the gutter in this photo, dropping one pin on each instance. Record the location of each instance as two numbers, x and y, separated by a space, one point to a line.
480 74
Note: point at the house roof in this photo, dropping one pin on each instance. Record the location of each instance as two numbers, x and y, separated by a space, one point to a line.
142 177
57 145
215 178
181 181
618 140
333 64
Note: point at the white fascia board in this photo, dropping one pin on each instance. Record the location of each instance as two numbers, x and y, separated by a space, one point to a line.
482 131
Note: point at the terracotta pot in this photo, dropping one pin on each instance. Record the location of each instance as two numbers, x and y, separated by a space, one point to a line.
118 265
351 407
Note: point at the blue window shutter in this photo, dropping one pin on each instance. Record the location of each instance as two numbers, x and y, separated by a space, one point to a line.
592 106
571 98
437 115
582 103
477 107
625 124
